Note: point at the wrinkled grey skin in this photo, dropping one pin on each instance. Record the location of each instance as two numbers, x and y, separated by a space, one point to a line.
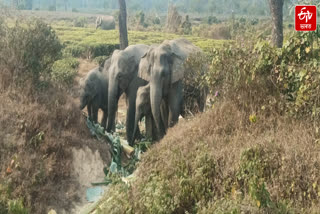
123 79
162 67
94 93
105 23
143 108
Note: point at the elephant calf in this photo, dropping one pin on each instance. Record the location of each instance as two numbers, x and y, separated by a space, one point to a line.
94 93
143 108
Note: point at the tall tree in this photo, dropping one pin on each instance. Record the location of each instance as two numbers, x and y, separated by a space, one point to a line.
66 5
276 9
123 25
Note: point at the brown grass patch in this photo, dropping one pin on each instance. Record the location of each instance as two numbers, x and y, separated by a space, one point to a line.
39 133
210 164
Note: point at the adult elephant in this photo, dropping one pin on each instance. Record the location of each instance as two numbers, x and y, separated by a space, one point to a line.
105 23
163 67
123 78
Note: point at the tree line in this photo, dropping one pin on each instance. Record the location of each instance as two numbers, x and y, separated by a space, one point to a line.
254 7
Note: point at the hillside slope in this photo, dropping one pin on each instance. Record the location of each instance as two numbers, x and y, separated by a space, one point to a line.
220 162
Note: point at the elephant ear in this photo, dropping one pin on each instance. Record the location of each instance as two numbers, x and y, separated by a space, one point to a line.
145 64
181 50
144 68
177 67
91 84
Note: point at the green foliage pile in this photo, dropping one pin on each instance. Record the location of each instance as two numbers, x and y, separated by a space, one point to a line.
64 71
28 49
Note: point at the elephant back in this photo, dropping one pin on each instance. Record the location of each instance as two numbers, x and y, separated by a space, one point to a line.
183 47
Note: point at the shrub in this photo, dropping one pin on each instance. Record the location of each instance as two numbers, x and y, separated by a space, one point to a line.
290 73
80 22
90 51
218 31
64 71
100 60
75 10
195 84
140 17
17 207
213 20
156 21
28 49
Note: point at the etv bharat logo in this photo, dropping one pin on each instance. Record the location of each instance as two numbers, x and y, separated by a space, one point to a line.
306 18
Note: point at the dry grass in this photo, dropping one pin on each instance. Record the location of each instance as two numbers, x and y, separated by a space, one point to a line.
208 165
42 172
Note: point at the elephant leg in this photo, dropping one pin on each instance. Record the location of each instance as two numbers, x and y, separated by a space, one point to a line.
131 94
131 118
131 109
95 109
174 102
89 109
149 127
104 119
155 134
164 113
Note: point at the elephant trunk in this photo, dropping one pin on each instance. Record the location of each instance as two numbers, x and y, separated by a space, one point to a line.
155 100
112 104
83 101
82 105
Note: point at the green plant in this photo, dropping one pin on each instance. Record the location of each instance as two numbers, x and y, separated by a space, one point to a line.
156 21
28 49
17 207
194 81
213 20
140 16
65 70
101 60
80 22
37 139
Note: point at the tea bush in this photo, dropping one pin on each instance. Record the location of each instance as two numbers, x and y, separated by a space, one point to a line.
64 71
90 43
80 22
101 60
